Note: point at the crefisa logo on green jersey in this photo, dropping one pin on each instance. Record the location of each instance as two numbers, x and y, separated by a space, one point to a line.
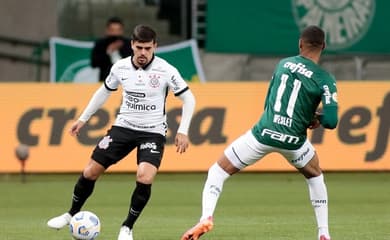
345 22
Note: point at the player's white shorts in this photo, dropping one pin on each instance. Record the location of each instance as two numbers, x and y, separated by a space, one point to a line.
246 150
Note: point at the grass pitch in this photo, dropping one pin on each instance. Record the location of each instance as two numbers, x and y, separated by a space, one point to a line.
252 206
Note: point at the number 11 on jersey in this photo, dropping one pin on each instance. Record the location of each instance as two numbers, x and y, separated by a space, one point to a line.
293 96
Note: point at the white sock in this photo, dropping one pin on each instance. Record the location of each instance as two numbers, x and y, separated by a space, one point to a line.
212 189
319 201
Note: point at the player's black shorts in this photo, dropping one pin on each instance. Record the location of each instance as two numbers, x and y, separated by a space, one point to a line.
119 142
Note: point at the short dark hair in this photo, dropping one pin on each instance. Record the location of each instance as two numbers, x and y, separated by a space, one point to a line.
115 19
313 36
143 33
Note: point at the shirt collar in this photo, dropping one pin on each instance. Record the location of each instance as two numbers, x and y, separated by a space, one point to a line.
144 67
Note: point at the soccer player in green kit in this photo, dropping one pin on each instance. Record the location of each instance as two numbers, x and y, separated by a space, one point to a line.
298 86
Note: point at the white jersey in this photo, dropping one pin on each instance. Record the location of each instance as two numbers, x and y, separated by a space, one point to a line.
144 93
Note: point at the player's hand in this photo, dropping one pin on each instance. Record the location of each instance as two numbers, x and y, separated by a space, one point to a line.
315 122
181 142
75 129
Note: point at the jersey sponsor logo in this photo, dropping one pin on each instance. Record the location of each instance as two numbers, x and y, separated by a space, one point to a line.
285 138
345 22
133 102
127 123
105 142
136 94
328 95
282 120
298 68
140 107
175 83
334 96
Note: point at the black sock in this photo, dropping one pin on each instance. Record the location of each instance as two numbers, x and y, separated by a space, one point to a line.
82 190
139 199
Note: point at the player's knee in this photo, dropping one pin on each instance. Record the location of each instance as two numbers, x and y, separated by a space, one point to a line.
225 164
93 170
310 171
145 177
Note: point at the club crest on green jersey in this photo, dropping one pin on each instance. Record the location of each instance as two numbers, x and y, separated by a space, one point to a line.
344 22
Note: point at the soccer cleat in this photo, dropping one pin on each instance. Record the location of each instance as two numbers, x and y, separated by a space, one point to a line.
60 221
199 229
125 233
322 237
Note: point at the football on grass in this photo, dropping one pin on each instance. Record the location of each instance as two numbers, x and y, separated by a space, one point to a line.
84 225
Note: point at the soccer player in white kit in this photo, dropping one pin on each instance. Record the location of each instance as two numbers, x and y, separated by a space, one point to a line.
140 123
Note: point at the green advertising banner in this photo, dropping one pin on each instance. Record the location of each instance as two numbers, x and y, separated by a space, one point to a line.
70 60
185 57
273 27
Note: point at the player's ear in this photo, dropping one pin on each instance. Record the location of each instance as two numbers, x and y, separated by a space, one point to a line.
132 44
300 43
323 46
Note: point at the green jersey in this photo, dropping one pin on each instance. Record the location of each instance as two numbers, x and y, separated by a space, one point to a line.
297 88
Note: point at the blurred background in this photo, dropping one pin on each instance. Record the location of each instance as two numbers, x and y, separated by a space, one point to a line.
236 40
